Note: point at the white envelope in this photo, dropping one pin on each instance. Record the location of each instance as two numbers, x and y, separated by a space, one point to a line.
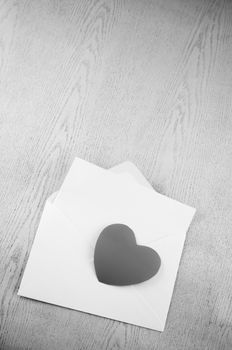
60 268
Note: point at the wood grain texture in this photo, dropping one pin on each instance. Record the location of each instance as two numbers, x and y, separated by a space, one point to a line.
111 80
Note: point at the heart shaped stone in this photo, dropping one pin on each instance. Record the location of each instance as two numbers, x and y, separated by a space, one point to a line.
119 261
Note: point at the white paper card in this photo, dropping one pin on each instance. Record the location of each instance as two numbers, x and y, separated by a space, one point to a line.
60 268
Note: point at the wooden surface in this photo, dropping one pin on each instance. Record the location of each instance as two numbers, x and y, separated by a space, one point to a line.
108 80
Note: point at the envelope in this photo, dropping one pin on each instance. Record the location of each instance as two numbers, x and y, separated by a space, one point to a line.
60 268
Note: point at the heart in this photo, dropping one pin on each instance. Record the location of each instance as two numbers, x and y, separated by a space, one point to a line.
119 261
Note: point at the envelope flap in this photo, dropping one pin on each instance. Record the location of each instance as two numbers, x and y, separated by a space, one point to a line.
150 222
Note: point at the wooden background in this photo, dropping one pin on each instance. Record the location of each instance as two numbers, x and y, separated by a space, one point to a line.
114 80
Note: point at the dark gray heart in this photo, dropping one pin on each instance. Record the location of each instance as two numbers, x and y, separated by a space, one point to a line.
119 261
